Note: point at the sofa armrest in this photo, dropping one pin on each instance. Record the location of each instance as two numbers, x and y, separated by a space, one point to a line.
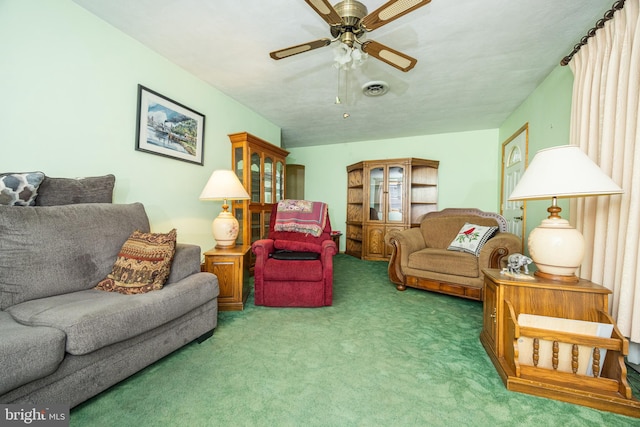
500 246
186 262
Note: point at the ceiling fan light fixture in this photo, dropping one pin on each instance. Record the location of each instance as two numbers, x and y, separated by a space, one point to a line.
348 57
375 88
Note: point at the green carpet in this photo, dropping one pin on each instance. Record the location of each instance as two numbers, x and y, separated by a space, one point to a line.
377 357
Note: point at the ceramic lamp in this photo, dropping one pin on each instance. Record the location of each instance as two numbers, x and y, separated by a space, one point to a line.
224 185
555 246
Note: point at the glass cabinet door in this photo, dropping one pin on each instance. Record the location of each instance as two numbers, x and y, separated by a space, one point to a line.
376 194
395 194
238 167
239 214
256 226
268 180
255 178
279 181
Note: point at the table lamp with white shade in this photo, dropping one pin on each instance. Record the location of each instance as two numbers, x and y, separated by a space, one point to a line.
555 246
224 185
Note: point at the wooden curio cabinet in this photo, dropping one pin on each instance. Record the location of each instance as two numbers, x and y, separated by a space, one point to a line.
260 166
385 195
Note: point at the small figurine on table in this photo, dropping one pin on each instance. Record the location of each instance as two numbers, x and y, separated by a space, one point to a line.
515 262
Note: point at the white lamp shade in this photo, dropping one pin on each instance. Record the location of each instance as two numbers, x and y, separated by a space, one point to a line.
564 171
224 185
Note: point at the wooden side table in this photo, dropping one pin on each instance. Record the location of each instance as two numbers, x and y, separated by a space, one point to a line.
335 236
506 297
232 268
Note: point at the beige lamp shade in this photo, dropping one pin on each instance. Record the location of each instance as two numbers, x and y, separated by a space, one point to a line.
224 185
555 246
564 171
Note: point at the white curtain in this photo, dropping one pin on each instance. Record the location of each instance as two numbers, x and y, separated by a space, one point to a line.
605 124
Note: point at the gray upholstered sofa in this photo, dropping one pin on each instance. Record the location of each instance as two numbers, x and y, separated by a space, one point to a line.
61 341
422 257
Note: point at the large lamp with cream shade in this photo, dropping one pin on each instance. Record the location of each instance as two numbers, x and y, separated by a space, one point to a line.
555 246
224 185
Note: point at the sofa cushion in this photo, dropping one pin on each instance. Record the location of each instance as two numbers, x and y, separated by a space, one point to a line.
143 264
20 189
445 262
52 250
93 319
68 191
472 237
439 231
27 353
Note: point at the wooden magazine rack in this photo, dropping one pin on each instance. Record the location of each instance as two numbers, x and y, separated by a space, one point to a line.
606 388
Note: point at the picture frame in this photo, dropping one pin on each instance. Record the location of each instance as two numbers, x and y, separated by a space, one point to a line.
168 128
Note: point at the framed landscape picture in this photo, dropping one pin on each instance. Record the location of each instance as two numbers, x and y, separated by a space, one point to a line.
169 129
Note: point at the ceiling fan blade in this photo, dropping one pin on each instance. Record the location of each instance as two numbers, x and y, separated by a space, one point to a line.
294 50
391 56
390 11
326 11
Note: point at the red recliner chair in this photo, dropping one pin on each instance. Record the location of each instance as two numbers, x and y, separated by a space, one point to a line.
294 269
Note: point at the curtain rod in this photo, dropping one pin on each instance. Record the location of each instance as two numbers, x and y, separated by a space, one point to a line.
592 32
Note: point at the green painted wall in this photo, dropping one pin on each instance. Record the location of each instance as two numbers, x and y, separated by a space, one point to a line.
468 174
548 112
68 85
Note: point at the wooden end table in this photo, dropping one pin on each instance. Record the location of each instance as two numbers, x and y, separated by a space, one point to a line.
232 268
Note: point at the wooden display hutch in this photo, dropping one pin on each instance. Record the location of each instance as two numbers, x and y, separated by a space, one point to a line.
260 166
506 298
385 195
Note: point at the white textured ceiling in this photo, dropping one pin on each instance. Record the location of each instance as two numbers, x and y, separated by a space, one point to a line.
478 60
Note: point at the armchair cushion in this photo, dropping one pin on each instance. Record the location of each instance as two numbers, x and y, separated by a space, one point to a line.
445 262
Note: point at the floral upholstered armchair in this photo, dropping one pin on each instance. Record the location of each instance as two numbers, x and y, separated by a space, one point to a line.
294 265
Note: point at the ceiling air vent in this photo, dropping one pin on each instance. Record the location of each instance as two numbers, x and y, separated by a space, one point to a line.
377 88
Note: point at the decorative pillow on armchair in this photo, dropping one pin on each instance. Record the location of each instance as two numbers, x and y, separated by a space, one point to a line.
19 189
472 237
143 264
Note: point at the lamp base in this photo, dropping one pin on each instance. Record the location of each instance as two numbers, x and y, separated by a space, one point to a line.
557 249
225 230
557 277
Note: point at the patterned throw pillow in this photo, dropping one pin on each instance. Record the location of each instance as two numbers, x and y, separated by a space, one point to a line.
143 264
471 238
19 189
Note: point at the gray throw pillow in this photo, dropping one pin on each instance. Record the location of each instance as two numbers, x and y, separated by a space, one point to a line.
69 191
19 189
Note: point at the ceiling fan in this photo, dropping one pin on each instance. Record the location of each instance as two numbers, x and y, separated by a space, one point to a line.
349 23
